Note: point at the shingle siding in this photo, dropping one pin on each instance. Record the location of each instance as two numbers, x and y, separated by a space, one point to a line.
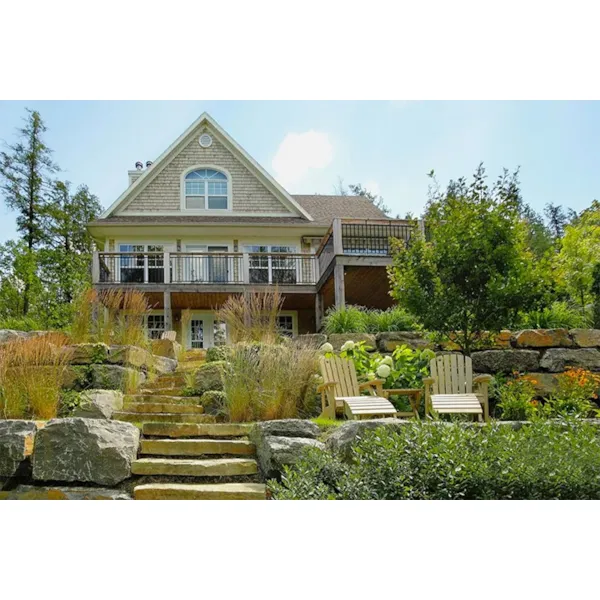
163 193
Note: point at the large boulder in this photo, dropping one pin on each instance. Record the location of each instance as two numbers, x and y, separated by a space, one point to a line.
586 338
542 338
85 450
556 359
130 356
274 452
16 445
87 354
505 361
166 348
114 377
416 340
314 340
163 365
288 428
99 404
8 335
345 436
210 376
33 492
337 340
544 383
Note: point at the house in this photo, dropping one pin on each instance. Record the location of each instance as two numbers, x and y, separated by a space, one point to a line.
205 221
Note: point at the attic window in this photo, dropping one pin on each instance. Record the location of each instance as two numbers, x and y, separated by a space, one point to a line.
206 189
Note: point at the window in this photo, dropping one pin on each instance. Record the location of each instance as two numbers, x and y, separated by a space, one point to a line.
156 326
206 189
272 269
285 324
144 267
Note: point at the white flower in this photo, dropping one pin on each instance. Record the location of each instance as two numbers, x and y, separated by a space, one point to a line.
370 375
326 347
387 360
349 345
384 371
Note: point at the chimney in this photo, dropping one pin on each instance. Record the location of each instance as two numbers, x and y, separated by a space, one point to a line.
134 175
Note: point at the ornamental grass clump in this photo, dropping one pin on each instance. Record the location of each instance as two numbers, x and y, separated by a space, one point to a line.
32 373
358 319
252 317
270 381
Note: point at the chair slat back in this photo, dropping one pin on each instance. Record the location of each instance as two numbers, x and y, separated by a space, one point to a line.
453 374
342 372
169 335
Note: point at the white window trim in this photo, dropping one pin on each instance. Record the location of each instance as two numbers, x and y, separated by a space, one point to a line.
291 244
205 211
294 315
154 313
209 322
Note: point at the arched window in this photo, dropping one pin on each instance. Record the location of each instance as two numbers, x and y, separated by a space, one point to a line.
206 189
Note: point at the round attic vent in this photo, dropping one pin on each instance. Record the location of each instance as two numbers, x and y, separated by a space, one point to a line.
205 140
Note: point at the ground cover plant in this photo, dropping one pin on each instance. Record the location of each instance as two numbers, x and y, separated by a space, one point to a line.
450 461
32 373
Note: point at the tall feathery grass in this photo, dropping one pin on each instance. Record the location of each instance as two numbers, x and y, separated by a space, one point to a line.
358 319
252 317
270 381
112 317
32 373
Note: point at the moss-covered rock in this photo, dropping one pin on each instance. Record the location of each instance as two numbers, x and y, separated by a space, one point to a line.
210 376
218 353
213 402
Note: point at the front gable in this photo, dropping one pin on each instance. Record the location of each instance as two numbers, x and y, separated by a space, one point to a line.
160 190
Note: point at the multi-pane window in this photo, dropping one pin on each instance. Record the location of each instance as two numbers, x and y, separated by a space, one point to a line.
156 326
272 269
219 333
206 189
285 324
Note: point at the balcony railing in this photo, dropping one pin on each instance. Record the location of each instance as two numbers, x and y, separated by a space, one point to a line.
204 268
362 238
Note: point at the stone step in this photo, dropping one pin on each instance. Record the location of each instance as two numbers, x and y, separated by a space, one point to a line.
162 407
206 491
167 381
196 447
141 398
181 430
137 417
194 467
168 391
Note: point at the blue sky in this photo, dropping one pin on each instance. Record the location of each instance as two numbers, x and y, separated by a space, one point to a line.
387 146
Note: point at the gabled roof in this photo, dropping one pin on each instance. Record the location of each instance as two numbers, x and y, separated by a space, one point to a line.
323 209
242 155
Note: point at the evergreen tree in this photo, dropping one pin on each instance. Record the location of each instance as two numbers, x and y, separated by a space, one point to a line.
25 171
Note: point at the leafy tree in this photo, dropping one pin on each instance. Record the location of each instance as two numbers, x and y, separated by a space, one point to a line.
25 171
579 253
357 189
558 219
596 294
475 271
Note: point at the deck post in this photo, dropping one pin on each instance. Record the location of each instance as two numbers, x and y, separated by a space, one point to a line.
245 268
338 246
167 267
95 267
339 287
318 311
168 312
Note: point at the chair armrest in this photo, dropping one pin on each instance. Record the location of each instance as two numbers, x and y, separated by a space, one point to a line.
368 384
482 379
402 391
325 386
428 380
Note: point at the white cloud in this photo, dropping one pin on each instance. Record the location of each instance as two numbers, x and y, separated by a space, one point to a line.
298 153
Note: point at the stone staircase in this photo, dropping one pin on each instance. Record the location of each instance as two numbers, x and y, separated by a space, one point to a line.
185 454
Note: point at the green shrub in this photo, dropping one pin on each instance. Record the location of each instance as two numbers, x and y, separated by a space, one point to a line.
573 395
217 353
541 460
516 399
21 324
557 315
358 319
214 402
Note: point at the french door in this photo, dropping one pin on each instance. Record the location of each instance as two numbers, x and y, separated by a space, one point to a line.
206 269
205 331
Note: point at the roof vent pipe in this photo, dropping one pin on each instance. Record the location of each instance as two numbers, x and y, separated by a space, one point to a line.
139 165
148 164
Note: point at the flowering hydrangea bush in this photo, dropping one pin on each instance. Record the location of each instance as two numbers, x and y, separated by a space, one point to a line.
405 368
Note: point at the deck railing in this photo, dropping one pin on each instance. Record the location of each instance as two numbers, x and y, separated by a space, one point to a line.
211 268
362 237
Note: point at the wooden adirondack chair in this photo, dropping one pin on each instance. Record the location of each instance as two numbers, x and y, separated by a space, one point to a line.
452 389
169 335
340 392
